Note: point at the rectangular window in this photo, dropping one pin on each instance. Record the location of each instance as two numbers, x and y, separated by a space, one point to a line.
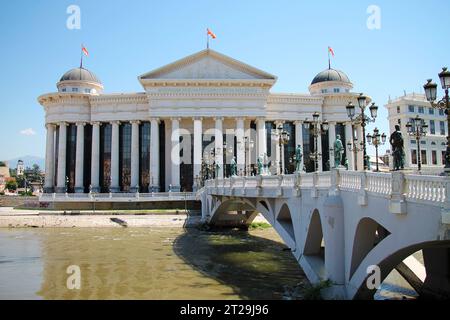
434 157
413 141
423 142
411 108
125 157
74 89
421 110
324 90
441 112
63 89
398 109
87 90
105 156
414 156
432 127
336 90
442 127
431 111
423 156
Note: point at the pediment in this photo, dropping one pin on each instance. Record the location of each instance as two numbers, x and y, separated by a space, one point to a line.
207 65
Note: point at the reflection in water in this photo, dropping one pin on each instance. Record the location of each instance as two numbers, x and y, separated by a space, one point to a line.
156 263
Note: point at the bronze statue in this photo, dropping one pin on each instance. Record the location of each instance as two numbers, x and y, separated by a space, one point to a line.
338 151
233 167
298 158
398 152
260 166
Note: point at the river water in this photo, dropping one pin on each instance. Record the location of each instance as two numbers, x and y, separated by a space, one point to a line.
145 263
153 263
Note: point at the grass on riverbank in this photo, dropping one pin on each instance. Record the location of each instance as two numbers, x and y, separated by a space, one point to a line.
259 226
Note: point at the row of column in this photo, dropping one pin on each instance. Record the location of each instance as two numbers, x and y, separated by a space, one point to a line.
261 149
95 163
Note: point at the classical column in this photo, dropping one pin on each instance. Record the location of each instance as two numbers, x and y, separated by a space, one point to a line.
299 140
134 184
115 187
360 154
278 156
95 157
49 158
240 144
175 155
197 151
62 145
349 137
331 140
219 146
154 155
319 148
79 159
262 138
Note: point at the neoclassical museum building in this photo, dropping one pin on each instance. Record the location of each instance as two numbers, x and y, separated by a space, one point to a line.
204 109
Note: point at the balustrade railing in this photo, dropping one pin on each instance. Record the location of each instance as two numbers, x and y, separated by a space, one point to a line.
426 188
379 183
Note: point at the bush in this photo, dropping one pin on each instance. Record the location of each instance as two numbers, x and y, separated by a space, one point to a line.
26 194
11 185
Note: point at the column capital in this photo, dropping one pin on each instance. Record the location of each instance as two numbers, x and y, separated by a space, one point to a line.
96 123
259 119
277 122
298 122
135 122
158 120
240 119
50 125
218 118
175 119
197 118
115 122
63 124
80 123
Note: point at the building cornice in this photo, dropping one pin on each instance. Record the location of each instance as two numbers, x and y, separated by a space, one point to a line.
123 98
63 98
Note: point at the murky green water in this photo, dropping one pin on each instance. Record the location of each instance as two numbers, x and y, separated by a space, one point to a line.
156 263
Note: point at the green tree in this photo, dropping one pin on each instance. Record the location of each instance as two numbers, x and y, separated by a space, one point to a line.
11 185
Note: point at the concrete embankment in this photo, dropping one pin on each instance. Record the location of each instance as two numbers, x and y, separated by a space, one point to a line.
46 221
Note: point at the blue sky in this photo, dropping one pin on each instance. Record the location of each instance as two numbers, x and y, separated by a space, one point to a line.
286 38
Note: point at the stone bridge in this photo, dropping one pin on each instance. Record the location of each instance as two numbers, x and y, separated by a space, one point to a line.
340 224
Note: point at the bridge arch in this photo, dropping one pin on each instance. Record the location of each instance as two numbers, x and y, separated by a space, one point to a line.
391 260
285 221
368 235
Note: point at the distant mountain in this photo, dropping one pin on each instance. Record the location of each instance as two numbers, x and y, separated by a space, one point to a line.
28 161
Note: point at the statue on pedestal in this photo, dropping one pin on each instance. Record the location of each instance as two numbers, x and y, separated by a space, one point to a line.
260 166
398 152
233 167
338 152
298 158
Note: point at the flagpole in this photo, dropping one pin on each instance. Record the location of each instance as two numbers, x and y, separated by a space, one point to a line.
329 59
81 63
207 39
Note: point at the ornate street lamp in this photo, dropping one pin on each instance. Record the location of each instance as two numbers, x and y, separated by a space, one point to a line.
362 119
226 150
431 94
417 128
376 139
316 128
353 147
282 137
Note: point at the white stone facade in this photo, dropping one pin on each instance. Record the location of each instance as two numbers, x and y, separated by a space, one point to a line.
160 137
434 144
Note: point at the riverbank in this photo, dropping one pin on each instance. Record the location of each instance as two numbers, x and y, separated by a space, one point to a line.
11 218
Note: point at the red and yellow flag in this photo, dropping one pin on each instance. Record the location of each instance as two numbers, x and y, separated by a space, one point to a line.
210 33
85 51
330 50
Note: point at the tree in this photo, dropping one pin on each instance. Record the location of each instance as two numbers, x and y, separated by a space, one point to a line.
2 164
11 185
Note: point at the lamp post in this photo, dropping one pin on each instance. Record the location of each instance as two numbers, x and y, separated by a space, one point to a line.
226 150
376 139
282 137
417 129
248 146
353 147
317 128
431 93
362 119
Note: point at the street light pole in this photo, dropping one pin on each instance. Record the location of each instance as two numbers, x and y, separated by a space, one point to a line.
362 119
417 129
375 140
431 94
316 127
282 137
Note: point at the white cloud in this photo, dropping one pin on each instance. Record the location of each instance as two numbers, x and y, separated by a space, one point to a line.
28 132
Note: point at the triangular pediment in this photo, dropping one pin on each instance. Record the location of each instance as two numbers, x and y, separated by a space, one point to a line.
207 65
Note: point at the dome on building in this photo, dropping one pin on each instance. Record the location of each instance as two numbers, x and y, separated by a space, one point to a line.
80 74
330 75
